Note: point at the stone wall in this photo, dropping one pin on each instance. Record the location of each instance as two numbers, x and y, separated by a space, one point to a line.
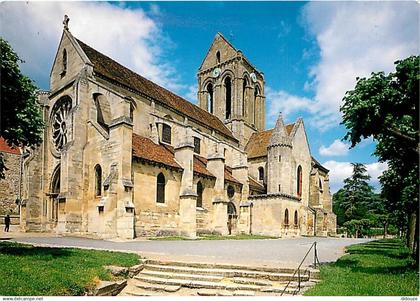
11 186
268 216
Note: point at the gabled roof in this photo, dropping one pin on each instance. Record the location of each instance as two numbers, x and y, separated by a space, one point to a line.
200 166
229 177
145 149
6 148
220 35
259 141
254 185
319 166
111 70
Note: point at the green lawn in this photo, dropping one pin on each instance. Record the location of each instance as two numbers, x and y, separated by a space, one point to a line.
36 271
377 268
213 237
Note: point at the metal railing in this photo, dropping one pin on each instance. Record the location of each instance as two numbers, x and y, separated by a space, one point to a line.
316 263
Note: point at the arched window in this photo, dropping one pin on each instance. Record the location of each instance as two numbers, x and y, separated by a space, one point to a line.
286 217
299 181
231 209
199 194
103 110
160 191
131 113
197 145
218 57
256 93
55 182
228 89
296 220
166 133
230 191
64 62
98 180
210 98
244 85
261 173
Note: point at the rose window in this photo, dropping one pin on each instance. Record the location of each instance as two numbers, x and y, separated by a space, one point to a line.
60 124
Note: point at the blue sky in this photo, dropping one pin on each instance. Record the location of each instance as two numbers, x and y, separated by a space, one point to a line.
310 53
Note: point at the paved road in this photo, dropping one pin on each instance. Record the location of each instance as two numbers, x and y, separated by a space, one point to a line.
288 252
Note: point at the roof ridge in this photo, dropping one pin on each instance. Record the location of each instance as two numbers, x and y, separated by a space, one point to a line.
226 40
160 93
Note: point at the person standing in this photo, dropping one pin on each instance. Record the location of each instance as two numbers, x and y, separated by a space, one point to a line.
7 223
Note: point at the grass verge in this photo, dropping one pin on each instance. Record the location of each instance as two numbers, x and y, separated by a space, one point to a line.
214 237
37 271
377 268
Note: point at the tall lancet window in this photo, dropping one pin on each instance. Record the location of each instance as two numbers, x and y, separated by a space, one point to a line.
160 188
299 181
199 194
210 98
244 84
228 89
261 173
98 180
256 93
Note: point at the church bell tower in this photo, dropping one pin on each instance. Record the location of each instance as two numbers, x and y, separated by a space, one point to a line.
232 89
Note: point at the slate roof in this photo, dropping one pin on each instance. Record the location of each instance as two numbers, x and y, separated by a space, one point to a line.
111 70
258 142
5 148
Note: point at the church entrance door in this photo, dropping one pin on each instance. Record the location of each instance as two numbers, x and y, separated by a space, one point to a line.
55 191
232 217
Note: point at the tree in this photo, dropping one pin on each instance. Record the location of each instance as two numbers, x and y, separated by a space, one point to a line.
337 199
356 192
386 108
21 120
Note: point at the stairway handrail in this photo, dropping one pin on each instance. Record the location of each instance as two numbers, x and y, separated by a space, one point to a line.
316 260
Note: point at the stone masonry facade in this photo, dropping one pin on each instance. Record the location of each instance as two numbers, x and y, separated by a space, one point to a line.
124 157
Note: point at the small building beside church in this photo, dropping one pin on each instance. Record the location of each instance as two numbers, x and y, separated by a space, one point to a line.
124 157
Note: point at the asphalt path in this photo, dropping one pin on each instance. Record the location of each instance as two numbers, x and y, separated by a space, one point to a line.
288 252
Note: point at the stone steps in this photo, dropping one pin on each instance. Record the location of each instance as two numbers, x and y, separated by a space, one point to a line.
218 266
185 279
225 272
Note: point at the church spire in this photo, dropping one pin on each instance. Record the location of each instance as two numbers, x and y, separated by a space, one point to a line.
280 135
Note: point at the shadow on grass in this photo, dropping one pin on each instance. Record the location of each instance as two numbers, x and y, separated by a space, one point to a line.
15 249
356 266
391 249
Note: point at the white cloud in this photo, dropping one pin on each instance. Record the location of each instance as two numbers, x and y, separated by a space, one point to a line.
191 93
281 101
342 170
354 39
129 36
337 148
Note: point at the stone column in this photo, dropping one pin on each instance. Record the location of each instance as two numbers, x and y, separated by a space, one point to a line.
184 155
216 165
121 131
249 100
240 172
218 103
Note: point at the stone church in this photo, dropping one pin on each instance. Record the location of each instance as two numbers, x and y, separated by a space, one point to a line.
124 157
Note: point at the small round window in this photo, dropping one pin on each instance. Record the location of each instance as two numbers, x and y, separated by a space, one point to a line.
230 191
